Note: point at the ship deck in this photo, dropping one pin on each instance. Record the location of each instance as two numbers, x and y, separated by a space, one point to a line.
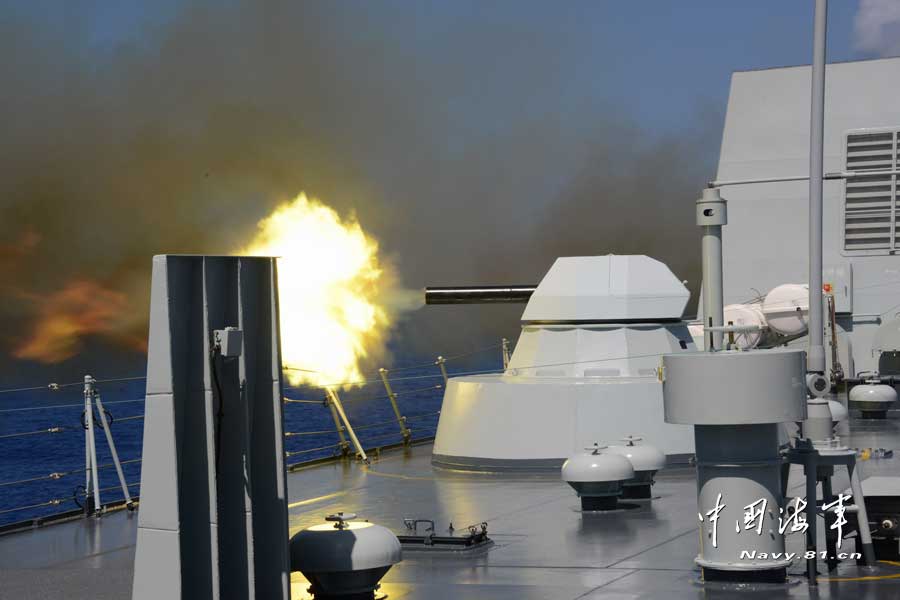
544 546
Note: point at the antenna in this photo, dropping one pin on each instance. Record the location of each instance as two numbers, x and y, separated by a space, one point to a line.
816 356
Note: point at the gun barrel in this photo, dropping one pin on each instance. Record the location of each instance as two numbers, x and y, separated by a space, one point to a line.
480 294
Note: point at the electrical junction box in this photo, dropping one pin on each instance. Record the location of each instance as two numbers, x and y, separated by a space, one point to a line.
838 281
229 341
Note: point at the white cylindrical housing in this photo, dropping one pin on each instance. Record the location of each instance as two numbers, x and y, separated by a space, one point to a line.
728 388
786 308
746 315
819 421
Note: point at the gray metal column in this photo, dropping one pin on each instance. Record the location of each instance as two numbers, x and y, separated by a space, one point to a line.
811 512
213 514
742 464
735 401
862 515
816 357
712 214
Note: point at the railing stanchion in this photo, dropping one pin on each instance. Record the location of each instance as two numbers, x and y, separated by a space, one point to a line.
345 445
336 402
88 501
112 450
401 420
504 344
440 362
92 479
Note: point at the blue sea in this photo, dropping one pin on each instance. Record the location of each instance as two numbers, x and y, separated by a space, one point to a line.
419 388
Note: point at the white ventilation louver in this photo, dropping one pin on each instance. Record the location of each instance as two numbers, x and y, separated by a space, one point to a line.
870 201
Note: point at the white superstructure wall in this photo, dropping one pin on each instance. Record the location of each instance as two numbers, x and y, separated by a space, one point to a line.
766 134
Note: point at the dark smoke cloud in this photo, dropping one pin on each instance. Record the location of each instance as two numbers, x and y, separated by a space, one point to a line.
462 147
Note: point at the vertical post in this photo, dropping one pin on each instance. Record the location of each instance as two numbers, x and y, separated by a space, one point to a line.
88 491
92 447
345 446
837 371
862 516
505 345
810 467
336 401
816 356
112 450
401 420
440 362
711 216
785 473
831 559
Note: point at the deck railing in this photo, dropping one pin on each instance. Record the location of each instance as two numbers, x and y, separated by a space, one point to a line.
339 420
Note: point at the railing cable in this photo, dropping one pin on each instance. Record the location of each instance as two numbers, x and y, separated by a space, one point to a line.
132 418
422 416
39 431
79 405
410 367
61 474
53 387
300 433
308 450
52 502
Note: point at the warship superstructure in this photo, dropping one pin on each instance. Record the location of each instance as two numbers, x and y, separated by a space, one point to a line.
605 352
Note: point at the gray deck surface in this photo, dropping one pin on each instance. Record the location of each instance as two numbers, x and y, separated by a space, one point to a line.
544 546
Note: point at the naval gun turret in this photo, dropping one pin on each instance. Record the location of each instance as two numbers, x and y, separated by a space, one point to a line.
585 368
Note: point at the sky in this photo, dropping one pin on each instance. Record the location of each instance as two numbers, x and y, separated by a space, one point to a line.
661 57
475 140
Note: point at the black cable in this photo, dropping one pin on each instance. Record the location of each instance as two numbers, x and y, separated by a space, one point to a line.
221 412
75 494
98 422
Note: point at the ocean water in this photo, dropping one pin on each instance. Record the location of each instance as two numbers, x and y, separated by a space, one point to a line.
34 457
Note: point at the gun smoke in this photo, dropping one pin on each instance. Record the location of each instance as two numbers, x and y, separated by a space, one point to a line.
469 162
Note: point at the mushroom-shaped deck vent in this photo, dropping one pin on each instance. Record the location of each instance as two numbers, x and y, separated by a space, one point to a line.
873 399
344 558
645 459
597 477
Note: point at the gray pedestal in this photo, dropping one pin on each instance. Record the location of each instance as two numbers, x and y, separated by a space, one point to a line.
735 401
